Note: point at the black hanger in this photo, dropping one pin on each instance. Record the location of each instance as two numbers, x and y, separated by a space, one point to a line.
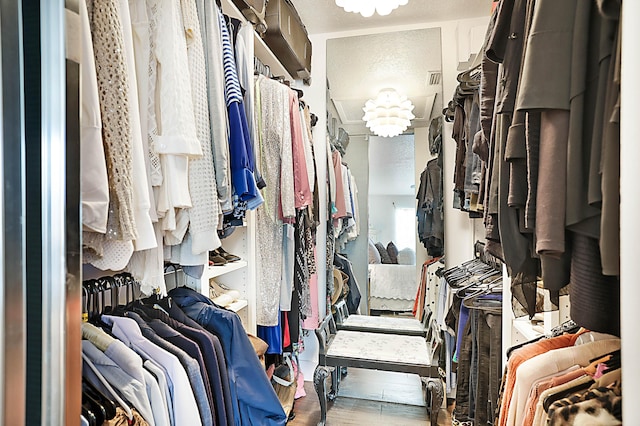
299 92
519 345
614 362
89 415
550 399
107 404
95 407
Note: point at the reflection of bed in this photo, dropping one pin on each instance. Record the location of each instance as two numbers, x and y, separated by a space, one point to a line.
392 287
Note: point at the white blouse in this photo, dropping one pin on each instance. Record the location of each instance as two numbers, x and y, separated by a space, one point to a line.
93 166
172 127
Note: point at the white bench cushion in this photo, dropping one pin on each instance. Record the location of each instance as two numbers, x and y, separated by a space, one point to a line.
391 348
386 323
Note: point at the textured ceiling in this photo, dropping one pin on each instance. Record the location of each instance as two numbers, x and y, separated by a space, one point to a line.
359 67
323 16
391 165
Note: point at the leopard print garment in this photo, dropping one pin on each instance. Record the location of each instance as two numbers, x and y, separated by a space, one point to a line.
601 406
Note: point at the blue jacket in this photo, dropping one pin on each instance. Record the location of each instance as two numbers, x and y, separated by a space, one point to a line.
257 403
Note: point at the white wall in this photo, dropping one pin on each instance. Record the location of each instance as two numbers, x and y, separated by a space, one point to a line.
629 207
382 211
459 230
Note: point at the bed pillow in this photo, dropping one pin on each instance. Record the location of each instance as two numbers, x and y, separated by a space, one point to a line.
406 256
374 256
392 251
384 256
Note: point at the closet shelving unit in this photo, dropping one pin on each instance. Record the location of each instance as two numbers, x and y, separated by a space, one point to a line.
241 275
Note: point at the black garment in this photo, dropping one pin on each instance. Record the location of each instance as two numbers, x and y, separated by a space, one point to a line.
190 365
595 298
463 410
213 353
213 364
301 273
354 296
192 349
293 320
430 209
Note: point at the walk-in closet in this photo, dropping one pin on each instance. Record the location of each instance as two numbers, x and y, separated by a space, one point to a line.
304 212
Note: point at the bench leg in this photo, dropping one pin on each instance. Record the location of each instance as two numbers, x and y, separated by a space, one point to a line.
335 383
435 396
319 382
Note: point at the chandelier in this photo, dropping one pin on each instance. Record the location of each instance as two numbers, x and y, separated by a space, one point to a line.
367 8
389 114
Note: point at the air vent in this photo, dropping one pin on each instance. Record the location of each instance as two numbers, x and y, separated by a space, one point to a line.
434 78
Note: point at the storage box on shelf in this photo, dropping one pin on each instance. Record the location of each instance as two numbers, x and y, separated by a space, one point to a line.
261 50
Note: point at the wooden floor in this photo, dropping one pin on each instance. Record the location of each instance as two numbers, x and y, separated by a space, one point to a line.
366 397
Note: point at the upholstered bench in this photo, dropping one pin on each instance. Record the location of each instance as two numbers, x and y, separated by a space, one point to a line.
379 324
374 351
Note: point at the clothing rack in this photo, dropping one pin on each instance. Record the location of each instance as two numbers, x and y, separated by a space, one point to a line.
114 289
120 289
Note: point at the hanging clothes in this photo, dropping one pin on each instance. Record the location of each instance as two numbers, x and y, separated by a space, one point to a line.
257 401
93 167
240 149
276 164
208 12
108 48
184 404
203 216
174 138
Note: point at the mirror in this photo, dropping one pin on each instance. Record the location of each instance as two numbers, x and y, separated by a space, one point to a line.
386 170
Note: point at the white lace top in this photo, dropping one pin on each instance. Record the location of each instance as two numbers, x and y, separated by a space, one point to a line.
203 215
172 126
212 42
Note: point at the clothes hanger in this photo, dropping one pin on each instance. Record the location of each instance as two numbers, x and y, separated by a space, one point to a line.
89 415
520 345
550 399
108 405
569 326
476 282
484 290
109 389
94 407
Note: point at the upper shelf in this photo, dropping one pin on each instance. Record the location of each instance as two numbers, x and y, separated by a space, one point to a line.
261 50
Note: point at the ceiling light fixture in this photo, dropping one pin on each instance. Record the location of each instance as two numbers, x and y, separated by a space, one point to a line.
389 114
367 8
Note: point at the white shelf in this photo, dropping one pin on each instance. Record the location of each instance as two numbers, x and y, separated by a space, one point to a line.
527 329
238 305
216 271
267 57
